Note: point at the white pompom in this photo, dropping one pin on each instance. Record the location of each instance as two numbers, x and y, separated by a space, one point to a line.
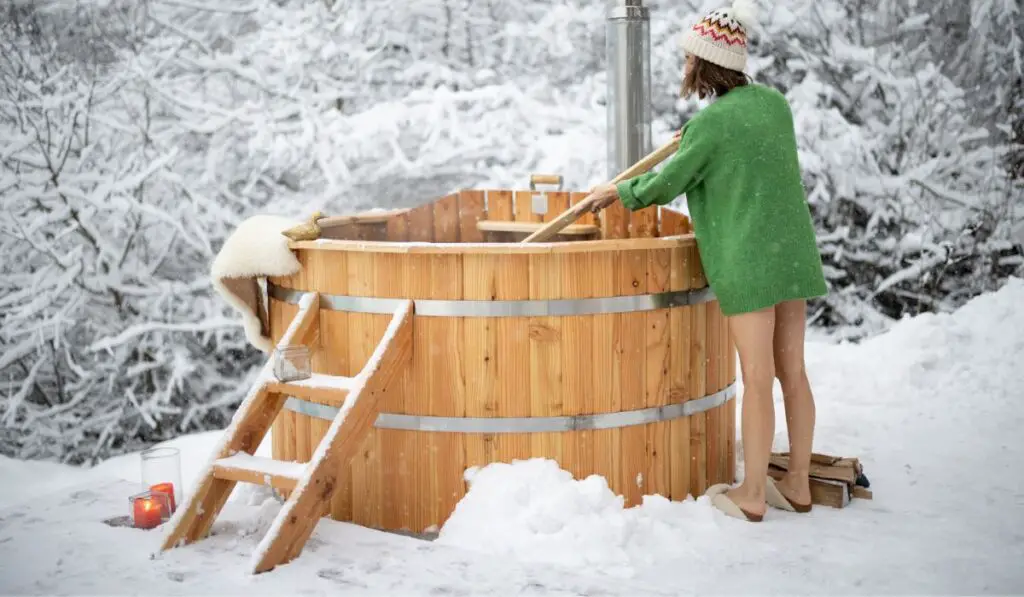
744 11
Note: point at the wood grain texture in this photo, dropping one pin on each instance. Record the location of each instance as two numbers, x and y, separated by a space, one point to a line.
673 222
577 361
500 206
524 207
643 223
282 442
418 281
697 382
421 224
480 342
545 385
606 372
398 228
254 477
446 219
447 391
512 353
680 348
632 353
421 246
657 375
615 222
384 465
253 420
335 353
715 448
523 366
472 211
568 217
528 227
312 494
364 332
587 219
211 493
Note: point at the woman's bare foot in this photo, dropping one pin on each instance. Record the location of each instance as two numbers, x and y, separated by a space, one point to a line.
747 500
796 489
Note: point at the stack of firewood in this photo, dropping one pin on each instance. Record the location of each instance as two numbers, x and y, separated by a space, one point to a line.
835 480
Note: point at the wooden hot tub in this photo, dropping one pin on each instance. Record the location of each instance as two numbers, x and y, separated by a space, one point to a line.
604 351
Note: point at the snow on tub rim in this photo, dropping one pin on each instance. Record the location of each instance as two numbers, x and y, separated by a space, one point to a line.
604 351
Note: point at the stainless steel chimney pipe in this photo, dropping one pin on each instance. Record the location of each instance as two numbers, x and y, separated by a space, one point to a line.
628 50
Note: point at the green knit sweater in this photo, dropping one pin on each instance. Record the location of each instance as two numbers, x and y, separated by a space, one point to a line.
737 165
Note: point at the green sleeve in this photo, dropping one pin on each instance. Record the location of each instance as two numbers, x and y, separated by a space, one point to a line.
683 170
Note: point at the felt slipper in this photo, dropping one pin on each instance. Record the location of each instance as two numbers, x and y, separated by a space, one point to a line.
717 489
776 499
727 506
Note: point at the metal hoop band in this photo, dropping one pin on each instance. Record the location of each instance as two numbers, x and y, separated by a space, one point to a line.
513 308
617 420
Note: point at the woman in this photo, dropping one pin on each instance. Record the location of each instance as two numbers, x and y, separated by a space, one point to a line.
737 165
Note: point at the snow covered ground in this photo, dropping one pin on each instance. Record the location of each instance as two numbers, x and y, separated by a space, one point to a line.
934 408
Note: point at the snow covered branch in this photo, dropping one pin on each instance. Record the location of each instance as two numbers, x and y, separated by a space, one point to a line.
136 134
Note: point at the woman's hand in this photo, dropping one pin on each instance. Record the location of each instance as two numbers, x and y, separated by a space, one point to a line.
603 195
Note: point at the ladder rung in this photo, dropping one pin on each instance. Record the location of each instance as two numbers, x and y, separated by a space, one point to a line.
327 389
247 468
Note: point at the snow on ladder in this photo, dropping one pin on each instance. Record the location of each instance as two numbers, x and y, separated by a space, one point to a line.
311 484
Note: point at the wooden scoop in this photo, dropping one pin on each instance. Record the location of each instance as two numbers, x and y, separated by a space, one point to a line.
573 213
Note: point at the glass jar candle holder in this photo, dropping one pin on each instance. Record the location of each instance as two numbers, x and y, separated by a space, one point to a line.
292 363
149 509
161 473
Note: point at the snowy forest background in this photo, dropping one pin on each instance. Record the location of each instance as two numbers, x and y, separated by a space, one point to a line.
136 134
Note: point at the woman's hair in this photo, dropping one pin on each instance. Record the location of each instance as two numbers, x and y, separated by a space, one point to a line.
707 78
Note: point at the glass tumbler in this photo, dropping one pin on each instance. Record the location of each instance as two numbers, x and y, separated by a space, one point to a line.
161 471
292 363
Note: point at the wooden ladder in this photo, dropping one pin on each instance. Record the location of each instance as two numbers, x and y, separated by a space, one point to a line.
311 484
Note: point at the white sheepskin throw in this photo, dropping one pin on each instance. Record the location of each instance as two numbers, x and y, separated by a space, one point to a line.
256 249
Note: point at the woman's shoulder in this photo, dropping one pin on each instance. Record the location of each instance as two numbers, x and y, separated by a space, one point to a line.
707 117
733 106
745 94
763 88
748 92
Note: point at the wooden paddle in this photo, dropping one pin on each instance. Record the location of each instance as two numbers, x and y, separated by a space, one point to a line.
573 213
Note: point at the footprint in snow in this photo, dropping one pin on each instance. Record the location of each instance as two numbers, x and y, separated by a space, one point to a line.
339 577
176 576
446 590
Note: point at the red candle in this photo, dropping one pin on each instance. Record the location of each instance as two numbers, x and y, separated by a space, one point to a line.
167 488
147 512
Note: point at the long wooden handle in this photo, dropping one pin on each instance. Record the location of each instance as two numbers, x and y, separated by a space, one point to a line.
366 217
573 213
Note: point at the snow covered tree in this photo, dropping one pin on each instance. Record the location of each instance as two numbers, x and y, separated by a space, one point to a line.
107 344
914 204
136 134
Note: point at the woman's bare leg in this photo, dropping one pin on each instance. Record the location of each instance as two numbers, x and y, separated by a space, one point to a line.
790 326
752 333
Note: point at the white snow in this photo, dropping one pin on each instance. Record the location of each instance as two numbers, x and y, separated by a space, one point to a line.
248 462
933 408
319 380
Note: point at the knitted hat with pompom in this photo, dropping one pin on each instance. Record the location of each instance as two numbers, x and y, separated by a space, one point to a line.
721 36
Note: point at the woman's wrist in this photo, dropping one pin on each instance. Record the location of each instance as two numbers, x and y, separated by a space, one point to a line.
626 196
